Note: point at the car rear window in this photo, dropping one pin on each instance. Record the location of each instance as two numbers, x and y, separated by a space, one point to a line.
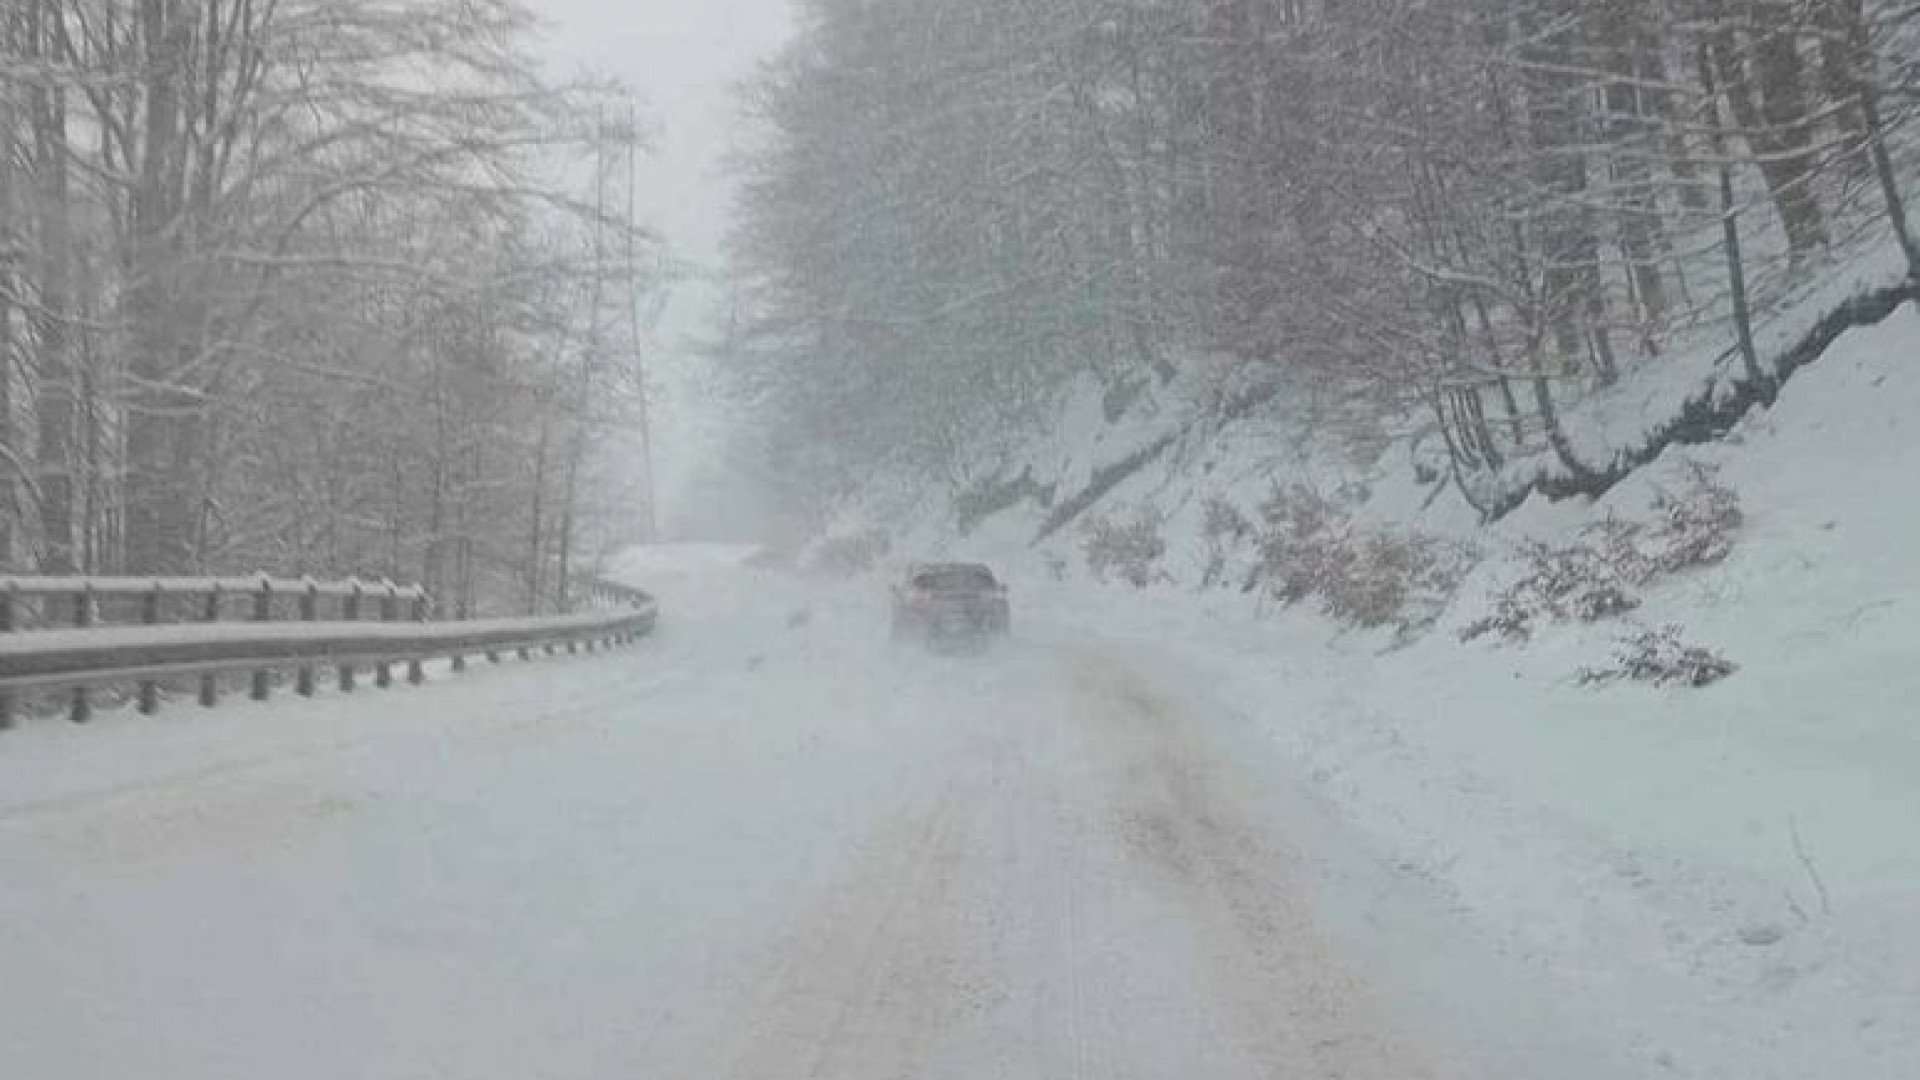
954 578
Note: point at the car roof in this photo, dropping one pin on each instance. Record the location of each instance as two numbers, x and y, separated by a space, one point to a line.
923 567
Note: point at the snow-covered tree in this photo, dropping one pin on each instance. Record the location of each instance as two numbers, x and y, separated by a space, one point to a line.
308 285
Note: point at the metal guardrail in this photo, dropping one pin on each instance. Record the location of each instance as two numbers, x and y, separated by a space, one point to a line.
141 586
612 592
84 658
48 602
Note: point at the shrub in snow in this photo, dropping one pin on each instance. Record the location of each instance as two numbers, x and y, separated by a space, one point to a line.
1366 577
1690 529
1661 658
1578 583
1302 546
1223 528
1597 576
1696 527
1128 550
1431 570
1373 581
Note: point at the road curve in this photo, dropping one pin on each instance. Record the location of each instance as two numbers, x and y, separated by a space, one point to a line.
759 848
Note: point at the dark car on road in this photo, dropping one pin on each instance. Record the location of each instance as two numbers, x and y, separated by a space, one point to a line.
950 605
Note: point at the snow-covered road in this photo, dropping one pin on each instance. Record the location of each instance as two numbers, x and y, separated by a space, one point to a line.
758 847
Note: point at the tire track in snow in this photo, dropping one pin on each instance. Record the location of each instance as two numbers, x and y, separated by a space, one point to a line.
1291 1006
1039 902
863 986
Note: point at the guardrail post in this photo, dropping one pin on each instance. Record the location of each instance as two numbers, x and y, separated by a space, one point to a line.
82 710
262 612
309 611
210 682
415 673
389 612
149 689
349 612
7 597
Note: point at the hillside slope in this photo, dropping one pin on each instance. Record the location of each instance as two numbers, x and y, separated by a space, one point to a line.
1728 874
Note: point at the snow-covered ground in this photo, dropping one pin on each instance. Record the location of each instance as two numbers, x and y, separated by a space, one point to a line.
1162 834
1150 838
1719 883
763 844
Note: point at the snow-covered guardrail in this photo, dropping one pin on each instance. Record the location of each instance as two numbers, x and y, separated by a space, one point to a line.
613 594
84 656
46 603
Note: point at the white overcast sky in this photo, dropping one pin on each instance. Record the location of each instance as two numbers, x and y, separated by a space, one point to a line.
683 58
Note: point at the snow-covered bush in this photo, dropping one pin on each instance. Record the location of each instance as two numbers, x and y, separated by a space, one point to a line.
1598 576
1127 549
1661 658
1427 572
1223 528
1696 527
1575 583
1372 580
1690 529
1363 576
1302 545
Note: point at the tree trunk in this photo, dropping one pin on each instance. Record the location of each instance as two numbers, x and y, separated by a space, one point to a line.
1515 423
1570 252
1632 128
1841 68
12 245
56 372
1768 101
563 586
163 499
1550 418
1730 231
1848 54
536 534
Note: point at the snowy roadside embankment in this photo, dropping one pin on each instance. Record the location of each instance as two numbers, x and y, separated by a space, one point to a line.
1725 883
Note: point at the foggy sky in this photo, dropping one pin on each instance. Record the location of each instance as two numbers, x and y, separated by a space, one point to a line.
682 57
